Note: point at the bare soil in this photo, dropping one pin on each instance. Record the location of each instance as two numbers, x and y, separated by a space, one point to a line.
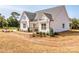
22 42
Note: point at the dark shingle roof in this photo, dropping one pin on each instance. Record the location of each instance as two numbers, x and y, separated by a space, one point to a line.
51 12
40 14
55 11
48 15
30 15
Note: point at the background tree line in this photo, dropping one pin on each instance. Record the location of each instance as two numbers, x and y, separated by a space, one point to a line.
12 21
74 23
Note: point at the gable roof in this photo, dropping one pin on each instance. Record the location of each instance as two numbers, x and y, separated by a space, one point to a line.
48 15
51 12
55 11
30 15
40 14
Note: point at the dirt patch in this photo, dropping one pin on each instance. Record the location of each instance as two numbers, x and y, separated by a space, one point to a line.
21 42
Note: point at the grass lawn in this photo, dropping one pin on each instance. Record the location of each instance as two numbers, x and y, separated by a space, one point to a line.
22 42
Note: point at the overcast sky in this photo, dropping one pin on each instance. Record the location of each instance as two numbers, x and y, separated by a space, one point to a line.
72 10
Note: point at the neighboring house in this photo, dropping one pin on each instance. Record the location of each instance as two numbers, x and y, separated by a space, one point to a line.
55 18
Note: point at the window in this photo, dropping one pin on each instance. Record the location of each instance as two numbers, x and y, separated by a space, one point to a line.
63 25
23 17
24 25
43 26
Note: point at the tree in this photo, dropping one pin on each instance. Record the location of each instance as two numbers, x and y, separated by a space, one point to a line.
75 23
15 15
12 22
3 22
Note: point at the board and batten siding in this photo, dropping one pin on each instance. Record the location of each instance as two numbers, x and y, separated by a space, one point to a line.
59 15
44 20
60 18
24 21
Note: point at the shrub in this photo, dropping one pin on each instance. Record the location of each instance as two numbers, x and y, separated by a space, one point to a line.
40 34
56 33
74 23
44 34
29 30
18 29
51 33
47 33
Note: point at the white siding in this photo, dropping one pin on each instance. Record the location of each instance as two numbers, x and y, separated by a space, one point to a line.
46 21
24 21
59 16
60 19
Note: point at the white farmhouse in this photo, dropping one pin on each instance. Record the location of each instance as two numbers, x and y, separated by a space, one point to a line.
55 18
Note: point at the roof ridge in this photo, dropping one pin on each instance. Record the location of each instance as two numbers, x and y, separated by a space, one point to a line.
27 12
50 8
48 15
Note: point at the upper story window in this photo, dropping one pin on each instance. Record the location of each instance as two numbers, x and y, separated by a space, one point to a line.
23 17
63 25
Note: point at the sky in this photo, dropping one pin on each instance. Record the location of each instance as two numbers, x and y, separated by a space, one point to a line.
72 10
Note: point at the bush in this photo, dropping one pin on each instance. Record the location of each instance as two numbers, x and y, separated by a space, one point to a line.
44 34
56 33
74 24
47 33
40 34
18 29
29 30
51 33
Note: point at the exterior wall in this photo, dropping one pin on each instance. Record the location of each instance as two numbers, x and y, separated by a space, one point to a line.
60 18
44 20
24 21
56 25
32 28
47 27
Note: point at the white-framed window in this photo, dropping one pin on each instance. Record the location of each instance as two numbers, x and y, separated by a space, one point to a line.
43 26
23 17
24 25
